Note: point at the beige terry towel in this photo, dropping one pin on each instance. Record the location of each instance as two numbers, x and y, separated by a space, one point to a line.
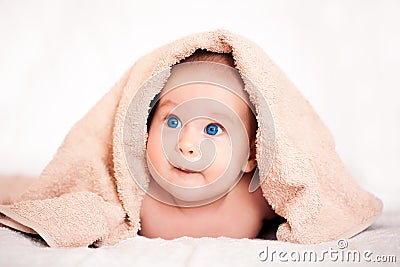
86 195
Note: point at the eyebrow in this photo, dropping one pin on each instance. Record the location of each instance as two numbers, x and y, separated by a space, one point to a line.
171 103
168 103
225 116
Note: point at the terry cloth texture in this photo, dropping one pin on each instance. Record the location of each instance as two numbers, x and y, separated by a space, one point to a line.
86 194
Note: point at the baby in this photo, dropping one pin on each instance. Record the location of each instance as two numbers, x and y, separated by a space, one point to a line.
238 213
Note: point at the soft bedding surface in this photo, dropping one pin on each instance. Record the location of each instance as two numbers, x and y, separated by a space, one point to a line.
380 242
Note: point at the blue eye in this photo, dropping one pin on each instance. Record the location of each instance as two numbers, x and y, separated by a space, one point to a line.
173 122
213 129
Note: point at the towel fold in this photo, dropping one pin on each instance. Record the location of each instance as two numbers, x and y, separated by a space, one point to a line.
87 196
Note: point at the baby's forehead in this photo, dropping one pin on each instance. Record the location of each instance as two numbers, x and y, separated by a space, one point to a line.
210 73
208 95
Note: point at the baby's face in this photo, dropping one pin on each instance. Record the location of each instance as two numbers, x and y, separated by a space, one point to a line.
168 119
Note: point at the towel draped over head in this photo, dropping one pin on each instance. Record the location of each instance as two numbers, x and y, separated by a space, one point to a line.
89 195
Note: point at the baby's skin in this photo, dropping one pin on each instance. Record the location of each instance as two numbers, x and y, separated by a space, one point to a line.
238 213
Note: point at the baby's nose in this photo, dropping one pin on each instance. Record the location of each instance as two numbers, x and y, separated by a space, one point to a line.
186 149
188 144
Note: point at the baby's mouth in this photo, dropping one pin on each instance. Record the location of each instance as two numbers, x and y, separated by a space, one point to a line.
189 178
186 171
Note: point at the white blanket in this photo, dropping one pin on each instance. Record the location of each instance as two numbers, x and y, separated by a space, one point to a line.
380 242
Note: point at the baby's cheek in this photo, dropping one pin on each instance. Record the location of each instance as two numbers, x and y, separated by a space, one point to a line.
223 157
154 146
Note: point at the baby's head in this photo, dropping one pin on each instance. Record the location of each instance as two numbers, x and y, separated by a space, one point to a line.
191 113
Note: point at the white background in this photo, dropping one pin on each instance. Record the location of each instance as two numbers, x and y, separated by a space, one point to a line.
57 58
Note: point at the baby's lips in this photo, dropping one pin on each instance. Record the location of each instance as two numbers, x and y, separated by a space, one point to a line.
185 170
